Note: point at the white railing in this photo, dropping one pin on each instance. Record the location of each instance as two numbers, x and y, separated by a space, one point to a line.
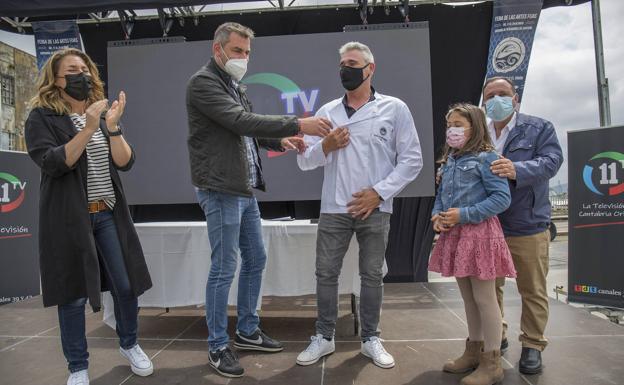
559 202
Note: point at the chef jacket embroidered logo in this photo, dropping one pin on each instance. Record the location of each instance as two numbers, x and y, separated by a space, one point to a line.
382 134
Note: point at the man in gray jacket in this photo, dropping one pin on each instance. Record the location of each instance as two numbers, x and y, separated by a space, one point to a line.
224 138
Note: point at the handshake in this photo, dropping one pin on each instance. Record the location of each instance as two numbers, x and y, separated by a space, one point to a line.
315 126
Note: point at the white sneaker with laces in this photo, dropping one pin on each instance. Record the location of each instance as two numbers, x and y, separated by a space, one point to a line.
318 348
374 350
78 378
140 363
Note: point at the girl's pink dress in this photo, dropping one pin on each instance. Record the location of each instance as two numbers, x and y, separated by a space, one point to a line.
473 250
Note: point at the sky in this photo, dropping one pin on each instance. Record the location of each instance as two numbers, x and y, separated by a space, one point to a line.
561 83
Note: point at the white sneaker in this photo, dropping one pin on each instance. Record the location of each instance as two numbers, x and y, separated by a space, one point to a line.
318 348
78 378
140 363
374 350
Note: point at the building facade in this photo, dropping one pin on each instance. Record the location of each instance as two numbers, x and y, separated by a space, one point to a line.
18 76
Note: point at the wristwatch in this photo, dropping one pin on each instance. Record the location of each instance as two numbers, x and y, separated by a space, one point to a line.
116 133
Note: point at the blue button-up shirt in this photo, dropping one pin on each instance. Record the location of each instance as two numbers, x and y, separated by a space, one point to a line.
468 184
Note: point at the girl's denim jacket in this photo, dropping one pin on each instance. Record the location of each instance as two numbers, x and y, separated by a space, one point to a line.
468 184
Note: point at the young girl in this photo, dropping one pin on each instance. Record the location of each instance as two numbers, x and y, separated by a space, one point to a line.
471 246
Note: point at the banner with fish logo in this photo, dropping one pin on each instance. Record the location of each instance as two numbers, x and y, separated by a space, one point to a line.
511 38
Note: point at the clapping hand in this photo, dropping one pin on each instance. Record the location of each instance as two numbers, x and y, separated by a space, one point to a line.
93 114
114 112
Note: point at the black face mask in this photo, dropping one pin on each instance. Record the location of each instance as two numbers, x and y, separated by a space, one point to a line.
78 86
352 77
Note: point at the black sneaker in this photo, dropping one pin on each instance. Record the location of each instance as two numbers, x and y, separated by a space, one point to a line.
225 362
257 341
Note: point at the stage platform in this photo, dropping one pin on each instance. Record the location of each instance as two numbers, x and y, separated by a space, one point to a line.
422 324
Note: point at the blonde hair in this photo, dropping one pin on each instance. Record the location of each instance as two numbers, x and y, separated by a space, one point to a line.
479 139
49 94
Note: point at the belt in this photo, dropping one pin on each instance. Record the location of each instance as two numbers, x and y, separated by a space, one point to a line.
97 206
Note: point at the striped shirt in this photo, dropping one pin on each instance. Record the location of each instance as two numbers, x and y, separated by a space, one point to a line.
99 183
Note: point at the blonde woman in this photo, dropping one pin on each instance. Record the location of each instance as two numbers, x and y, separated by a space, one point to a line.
87 241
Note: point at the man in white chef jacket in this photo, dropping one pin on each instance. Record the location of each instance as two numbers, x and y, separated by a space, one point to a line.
369 157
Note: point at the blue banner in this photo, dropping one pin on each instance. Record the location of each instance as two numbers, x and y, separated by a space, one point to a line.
511 38
51 36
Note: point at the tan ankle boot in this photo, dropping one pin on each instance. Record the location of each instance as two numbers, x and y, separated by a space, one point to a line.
489 371
468 361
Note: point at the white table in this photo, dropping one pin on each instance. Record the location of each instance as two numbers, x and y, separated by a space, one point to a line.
178 258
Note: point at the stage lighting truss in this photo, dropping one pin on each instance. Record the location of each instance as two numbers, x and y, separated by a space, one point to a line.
167 16
365 8
127 22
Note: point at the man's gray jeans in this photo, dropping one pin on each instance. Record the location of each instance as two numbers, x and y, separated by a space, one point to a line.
334 235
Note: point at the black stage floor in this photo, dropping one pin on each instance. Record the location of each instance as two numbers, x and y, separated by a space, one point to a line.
422 324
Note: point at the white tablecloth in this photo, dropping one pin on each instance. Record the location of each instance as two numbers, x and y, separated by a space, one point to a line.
178 258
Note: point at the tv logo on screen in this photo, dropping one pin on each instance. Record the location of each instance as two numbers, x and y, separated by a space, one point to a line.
290 92
307 101
608 172
12 192
585 289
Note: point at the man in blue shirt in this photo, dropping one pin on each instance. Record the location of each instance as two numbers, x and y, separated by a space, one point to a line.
530 155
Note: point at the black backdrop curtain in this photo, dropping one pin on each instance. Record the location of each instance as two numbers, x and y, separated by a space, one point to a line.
459 40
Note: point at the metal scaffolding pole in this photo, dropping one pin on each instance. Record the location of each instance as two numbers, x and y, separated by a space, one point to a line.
603 82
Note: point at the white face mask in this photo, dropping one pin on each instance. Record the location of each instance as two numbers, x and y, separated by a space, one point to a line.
236 68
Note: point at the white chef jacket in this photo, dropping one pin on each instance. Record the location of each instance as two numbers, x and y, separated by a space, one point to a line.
383 153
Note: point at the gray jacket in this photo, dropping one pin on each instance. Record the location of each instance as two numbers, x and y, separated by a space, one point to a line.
218 119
